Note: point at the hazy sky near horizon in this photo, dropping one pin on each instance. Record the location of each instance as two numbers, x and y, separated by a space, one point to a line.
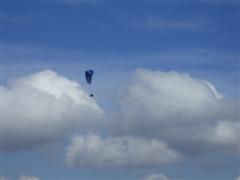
166 88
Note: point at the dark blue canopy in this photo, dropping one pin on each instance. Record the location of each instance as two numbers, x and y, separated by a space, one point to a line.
88 75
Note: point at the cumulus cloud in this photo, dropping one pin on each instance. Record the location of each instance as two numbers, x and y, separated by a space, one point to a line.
160 110
42 107
24 177
187 113
93 150
163 116
156 177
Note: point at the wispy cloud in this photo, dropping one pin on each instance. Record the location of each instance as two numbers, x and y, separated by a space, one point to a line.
194 57
25 177
7 18
156 176
19 18
220 67
171 25
21 177
77 2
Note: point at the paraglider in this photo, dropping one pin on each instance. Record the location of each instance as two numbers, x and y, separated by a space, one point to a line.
88 75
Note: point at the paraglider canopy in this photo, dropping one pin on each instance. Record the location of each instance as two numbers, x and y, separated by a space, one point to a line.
88 75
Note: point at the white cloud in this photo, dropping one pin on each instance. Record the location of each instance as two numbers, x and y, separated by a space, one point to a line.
93 150
225 133
156 177
158 109
24 177
238 178
42 107
187 113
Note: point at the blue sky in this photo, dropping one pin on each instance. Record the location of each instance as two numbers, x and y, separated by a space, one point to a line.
115 39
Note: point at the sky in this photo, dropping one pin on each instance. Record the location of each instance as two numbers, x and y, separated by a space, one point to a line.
165 85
